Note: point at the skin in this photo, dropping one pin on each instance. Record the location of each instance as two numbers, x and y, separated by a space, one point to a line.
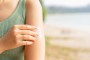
34 17
34 40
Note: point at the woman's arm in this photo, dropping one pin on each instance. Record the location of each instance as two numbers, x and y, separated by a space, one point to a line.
1 47
34 17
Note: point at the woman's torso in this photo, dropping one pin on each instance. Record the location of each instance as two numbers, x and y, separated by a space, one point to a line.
17 17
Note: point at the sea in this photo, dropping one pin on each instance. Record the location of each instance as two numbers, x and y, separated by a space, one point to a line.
80 21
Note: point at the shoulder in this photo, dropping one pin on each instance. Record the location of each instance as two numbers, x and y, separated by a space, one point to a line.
30 2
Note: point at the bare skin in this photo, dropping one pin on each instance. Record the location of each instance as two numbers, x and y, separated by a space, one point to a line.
7 7
15 36
34 17
33 50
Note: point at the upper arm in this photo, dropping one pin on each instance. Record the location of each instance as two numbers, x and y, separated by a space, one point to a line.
33 12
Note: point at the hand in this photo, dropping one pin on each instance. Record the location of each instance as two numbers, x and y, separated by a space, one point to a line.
18 35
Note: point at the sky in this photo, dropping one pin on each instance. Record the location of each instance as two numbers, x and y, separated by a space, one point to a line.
70 3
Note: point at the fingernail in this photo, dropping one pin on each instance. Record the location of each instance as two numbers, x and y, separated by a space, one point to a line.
37 34
35 27
29 43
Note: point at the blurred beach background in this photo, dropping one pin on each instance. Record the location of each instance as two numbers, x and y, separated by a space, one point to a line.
67 29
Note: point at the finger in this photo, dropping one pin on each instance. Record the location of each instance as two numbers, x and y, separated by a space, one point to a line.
28 38
28 32
26 43
25 27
